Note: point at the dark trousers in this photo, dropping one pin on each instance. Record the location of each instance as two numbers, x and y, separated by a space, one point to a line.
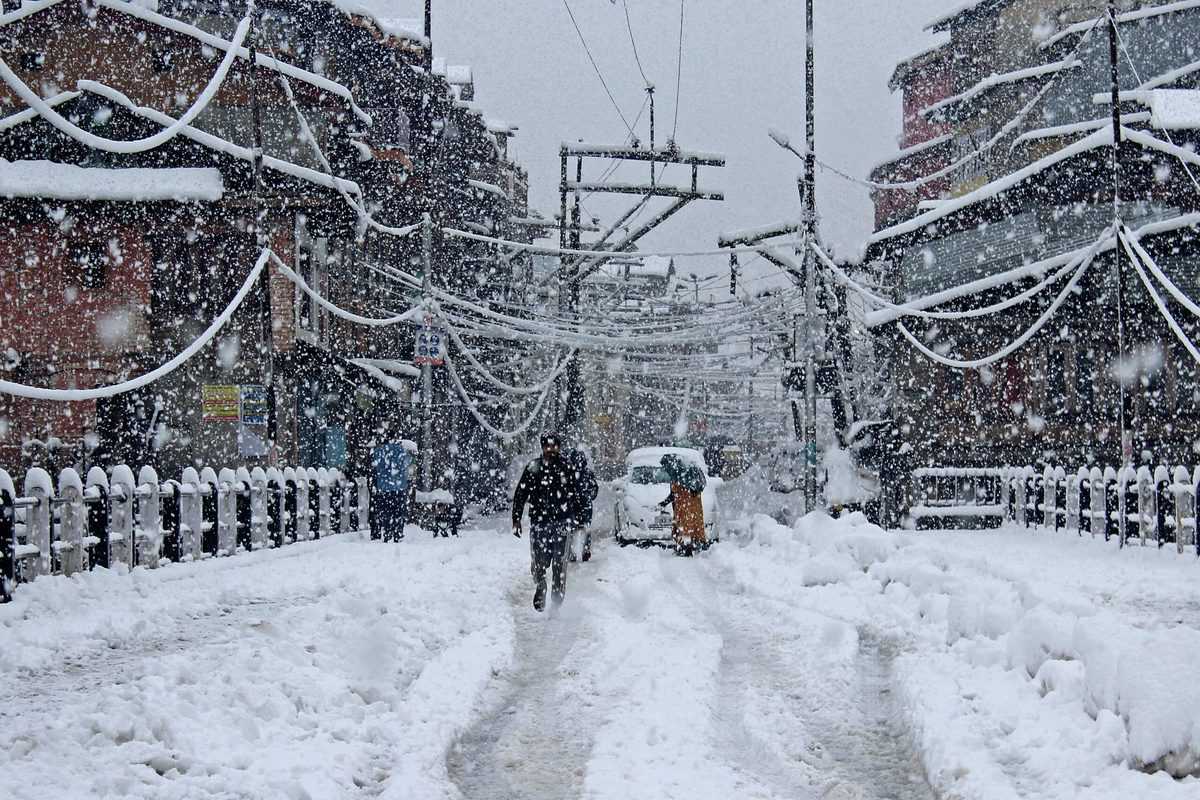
548 550
390 511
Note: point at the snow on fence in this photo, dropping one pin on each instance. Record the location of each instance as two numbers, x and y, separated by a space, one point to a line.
112 518
1143 506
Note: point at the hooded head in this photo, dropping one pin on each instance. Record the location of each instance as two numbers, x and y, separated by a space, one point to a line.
672 465
551 447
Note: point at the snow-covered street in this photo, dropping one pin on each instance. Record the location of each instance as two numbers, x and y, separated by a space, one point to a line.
832 661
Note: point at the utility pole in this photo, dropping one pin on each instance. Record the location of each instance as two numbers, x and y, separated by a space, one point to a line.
429 35
1123 411
573 412
427 366
750 407
262 240
809 212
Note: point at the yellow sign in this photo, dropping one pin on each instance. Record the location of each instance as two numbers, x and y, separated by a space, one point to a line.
219 403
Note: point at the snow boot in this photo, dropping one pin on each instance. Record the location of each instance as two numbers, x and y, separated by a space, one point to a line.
539 597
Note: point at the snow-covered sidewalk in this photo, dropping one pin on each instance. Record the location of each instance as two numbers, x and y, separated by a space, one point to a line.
329 669
833 661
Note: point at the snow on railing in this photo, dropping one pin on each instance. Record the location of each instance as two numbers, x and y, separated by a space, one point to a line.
113 518
1147 505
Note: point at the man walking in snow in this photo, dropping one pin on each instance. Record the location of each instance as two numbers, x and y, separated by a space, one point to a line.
546 486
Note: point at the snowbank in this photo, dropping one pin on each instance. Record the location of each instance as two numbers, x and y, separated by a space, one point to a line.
1035 665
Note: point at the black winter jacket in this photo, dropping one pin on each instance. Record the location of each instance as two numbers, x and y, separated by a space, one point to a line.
547 487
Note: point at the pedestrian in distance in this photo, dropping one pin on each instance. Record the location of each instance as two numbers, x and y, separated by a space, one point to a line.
391 468
585 489
686 499
546 487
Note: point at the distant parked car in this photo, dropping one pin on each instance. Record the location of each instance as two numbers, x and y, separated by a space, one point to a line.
638 519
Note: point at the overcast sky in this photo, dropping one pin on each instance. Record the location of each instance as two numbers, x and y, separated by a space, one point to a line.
742 73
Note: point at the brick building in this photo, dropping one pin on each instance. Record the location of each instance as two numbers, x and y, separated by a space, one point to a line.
117 261
1030 190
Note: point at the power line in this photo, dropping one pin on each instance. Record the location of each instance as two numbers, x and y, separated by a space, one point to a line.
596 67
632 41
678 72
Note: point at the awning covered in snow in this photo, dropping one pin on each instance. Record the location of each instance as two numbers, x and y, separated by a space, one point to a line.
49 179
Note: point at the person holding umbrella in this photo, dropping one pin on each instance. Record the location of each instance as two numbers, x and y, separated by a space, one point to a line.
687 488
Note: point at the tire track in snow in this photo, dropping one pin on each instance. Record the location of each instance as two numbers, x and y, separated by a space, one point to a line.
842 736
535 742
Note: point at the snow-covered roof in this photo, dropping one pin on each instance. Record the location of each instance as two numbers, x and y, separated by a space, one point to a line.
412 30
918 61
1129 16
1174 109
459 75
49 179
962 10
490 188
651 267
914 150
991 190
1002 79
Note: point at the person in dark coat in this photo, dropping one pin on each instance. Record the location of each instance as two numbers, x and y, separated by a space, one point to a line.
585 488
546 486
391 469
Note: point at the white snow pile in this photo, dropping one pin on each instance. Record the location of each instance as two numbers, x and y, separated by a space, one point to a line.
1036 665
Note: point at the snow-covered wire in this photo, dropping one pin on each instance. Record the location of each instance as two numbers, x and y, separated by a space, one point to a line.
47 112
546 250
471 404
910 311
596 67
1138 78
487 374
1020 341
216 143
1158 301
75 395
1161 276
373 322
138 10
359 208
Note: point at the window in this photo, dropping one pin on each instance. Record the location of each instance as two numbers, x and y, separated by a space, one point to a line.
390 129
312 264
1087 376
32 60
1059 357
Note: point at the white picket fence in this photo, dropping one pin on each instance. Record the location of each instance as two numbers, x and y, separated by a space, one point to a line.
1143 506
112 518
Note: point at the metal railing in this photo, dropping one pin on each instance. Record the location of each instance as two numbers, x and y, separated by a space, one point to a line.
1144 506
946 496
114 518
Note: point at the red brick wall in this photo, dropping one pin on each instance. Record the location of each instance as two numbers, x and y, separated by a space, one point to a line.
283 291
52 321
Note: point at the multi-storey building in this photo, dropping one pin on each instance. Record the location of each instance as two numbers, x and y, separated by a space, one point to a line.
1027 189
119 257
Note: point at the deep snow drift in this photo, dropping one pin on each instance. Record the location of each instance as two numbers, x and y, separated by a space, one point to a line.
833 660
